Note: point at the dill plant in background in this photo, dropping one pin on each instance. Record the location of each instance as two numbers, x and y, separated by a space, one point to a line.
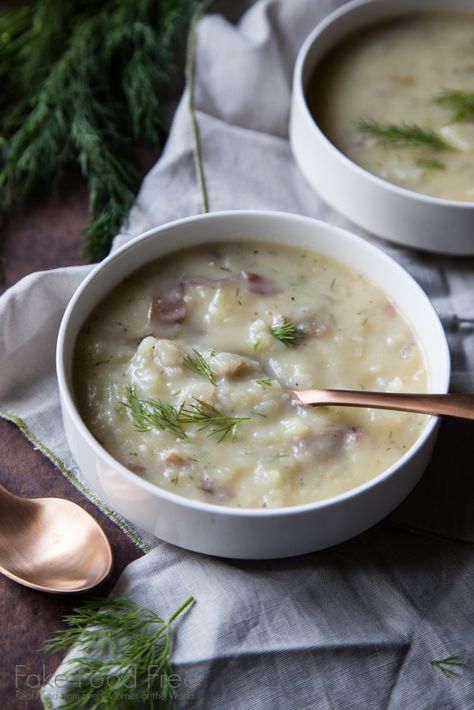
81 83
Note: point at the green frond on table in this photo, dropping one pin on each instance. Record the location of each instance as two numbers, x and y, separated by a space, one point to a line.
125 656
452 666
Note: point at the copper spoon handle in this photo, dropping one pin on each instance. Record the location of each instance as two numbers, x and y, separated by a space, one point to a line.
451 405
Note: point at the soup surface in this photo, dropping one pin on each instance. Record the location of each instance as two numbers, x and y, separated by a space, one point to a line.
417 72
182 374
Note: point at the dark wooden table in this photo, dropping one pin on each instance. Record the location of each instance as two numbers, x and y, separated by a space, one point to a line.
47 236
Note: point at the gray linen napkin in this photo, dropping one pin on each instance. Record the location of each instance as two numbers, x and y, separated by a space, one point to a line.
351 627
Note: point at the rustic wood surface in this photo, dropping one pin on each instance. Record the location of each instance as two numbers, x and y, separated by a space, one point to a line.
46 236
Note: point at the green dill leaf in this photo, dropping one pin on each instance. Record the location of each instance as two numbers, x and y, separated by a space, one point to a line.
286 332
430 164
264 383
197 363
148 414
403 135
461 104
134 645
208 417
449 666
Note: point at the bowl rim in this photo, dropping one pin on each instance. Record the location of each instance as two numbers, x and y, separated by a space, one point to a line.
300 97
67 399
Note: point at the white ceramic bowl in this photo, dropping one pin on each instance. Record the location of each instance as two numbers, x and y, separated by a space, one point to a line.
238 532
389 211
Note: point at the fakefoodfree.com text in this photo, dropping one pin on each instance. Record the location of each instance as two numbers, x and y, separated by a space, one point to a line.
27 684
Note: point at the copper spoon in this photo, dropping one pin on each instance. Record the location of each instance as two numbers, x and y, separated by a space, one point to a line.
51 544
451 405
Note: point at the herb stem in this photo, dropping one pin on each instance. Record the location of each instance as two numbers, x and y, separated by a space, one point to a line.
197 363
430 164
156 414
118 642
286 332
403 135
449 666
150 414
191 84
209 417
189 600
461 103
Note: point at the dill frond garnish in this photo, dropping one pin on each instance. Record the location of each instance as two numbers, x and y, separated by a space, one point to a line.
135 649
264 383
449 666
151 414
208 417
461 103
80 84
148 414
198 364
286 332
403 135
430 164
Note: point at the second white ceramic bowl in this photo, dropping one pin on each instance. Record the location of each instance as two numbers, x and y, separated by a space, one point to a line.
386 210
238 532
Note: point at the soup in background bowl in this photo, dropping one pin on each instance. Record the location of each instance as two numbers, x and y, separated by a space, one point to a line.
356 123
398 99
232 517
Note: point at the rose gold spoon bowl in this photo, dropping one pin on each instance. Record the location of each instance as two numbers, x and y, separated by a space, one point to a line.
51 544
451 405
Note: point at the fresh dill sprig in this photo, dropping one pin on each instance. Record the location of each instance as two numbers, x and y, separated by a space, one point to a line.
287 332
197 363
264 383
403 135
134 645
80 84
461 103
208 417
151 414
449 666
430 164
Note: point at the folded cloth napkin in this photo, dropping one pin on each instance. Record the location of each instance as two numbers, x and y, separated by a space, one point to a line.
356 626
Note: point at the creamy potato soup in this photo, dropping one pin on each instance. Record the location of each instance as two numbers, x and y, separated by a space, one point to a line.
182 374
398 99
